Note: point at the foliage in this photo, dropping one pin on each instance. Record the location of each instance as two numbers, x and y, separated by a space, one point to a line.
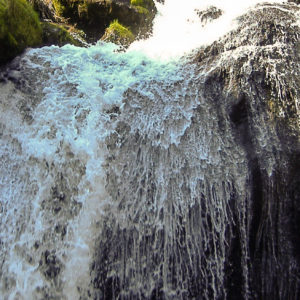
118 34
59 7
19 28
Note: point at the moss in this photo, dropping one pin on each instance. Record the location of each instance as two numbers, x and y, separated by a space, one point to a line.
147 10
148 4
19 28
118 34
59 7
67 8
3 8
54 34
82 11
94 16
142 10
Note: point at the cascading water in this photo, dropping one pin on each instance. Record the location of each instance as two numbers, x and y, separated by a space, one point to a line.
120 176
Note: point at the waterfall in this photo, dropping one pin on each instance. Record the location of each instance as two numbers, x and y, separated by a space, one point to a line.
179 28
122 176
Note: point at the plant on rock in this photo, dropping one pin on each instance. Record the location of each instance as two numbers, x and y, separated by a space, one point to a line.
118 34
149 4
67 8
55 34
143 6
19 28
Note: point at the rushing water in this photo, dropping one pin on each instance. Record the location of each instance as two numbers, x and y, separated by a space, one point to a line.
102 166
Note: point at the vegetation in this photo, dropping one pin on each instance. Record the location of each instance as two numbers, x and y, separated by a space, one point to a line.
68 8
94 17
143 6
118 34
148 4
19 28
59 7
142 10
55 34
76 9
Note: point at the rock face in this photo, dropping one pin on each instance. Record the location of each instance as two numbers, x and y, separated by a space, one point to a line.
54 34
45 9
215 214
259 91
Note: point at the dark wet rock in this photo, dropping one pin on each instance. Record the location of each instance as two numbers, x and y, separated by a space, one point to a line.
210 14
62 201
45 9
50 264
54 34
259 89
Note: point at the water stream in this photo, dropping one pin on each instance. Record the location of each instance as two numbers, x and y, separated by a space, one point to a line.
117 177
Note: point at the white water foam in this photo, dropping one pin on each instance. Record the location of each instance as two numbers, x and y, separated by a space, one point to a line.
178 29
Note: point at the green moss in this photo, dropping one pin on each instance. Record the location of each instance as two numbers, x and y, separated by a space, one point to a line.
59 7
147 10
78 10
148 4
94 16
3 7
142 10
54 34
19 28
118 34
67 8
